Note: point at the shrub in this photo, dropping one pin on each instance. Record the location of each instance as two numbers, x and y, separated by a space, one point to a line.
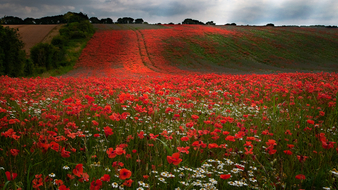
12 57
42 55
59 41
77 30
29 67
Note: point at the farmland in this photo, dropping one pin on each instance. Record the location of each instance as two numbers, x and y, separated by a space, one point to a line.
178 107
33 34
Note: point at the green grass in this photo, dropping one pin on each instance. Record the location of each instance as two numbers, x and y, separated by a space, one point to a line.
261 49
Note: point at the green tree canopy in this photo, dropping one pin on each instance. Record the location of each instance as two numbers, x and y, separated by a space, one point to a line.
12 57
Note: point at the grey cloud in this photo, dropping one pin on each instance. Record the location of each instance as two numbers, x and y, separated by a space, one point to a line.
172 9
239 11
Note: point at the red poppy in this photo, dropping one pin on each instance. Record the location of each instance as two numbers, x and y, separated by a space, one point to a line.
128 183
95 185
10 176
64 153
63 187
124 174
300 176
248 151
145 176
78 171
108 131
111 153
105 177
174 159
301 158
225 176
14 152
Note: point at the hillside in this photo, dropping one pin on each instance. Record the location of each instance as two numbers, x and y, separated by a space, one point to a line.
257 49
168 49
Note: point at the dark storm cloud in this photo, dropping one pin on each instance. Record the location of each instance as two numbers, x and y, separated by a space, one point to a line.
46 2
220 11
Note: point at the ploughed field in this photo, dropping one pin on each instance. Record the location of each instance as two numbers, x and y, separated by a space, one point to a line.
33 34
185 107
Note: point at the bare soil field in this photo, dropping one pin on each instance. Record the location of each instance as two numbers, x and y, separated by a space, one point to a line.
33 34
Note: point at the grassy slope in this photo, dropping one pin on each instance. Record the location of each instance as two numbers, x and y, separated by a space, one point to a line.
257 49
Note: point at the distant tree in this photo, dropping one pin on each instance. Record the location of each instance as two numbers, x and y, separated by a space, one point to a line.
75 17
29 21
210 23
94 20
333 26
192 21
270 24
233 24
12 57
125 20
106 21
11 20
139 21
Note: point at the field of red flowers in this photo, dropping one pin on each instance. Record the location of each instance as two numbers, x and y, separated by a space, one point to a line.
127 119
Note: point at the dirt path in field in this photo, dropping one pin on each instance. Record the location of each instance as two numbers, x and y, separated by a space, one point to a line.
144 52
33 34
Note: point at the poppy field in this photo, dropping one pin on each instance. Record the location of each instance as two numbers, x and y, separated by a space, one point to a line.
128 118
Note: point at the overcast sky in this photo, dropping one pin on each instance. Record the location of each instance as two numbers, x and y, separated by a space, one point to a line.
253 12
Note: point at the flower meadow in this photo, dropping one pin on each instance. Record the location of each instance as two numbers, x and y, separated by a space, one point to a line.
126 118
183 132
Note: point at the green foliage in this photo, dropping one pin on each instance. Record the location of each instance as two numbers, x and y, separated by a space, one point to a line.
59 53
12 57
42 55
59 41
77 30
29 67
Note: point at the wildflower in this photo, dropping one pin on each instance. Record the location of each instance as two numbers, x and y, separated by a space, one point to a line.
128 182
65 168
301 158
14 152
115 185
10 176
108 131
300 176
63 187
162 179
105 177
124 174
225 176
95 185
78 170
51 175
309 121
64 153
248 151
174 159
145 176
111 153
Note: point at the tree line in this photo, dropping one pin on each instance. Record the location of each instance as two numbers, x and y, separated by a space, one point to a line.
69 18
